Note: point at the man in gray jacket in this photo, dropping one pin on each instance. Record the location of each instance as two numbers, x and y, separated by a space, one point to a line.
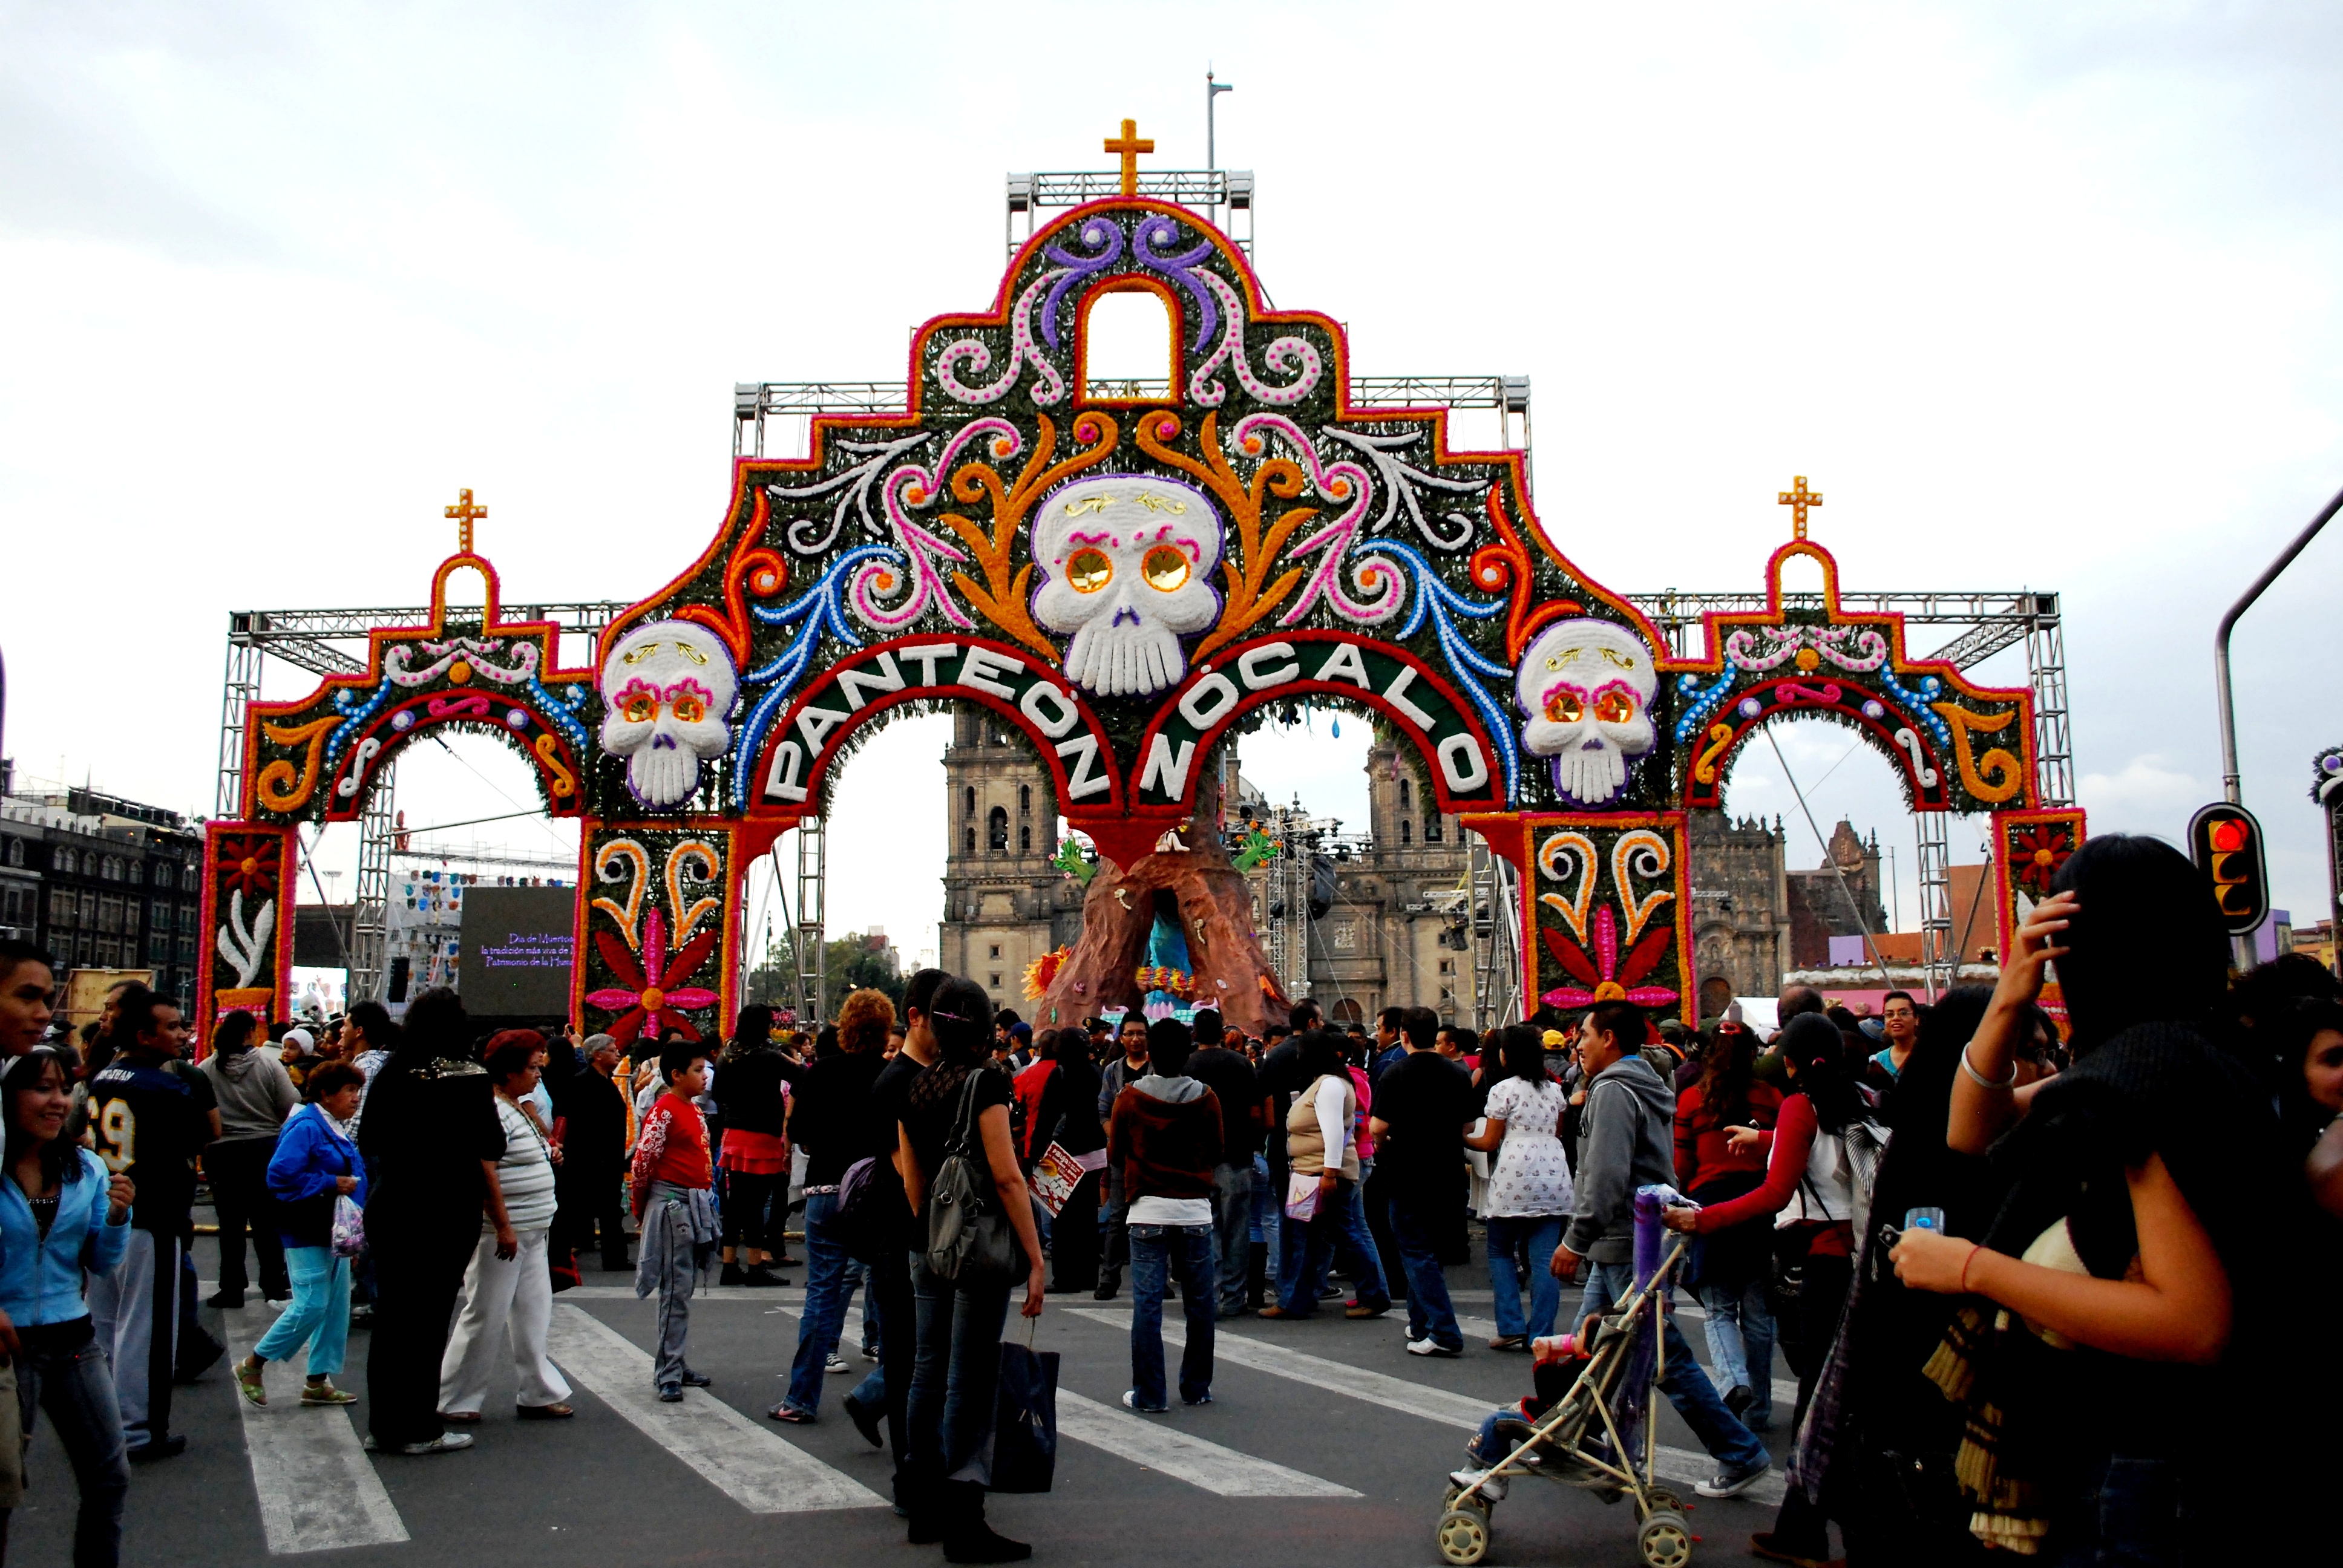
255 1095
1626 1141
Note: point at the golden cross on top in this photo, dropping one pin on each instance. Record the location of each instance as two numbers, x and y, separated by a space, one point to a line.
1797 499
1128 147
464 512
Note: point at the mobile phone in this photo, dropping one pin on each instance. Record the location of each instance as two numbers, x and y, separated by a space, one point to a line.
1925 1219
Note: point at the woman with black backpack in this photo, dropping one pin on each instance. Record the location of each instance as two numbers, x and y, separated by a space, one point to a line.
960 1172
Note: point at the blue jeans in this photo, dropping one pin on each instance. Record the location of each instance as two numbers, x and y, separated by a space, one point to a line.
75 1387
1429 1314
1539 1235
320 1312
1156 1250
1268 1219
1340 1226
829 1289
1741 1346
1687 1387
955 1375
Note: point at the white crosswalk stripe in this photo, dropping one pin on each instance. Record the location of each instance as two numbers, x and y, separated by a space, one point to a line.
1401 1393
1147 1441
745 1461
318 1490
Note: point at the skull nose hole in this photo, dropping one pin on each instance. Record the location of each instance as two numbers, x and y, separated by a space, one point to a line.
1595 745
662 742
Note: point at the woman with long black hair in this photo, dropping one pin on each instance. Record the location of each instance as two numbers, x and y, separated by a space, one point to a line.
431 1136
957 1368
1808 1190
2113 1297
1067 1115
754 1157
63 1220
1725 1123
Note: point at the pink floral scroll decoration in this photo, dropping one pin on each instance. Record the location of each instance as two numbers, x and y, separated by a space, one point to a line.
654 989
1603 978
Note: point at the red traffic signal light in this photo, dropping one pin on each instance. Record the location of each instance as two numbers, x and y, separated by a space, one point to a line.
2227 842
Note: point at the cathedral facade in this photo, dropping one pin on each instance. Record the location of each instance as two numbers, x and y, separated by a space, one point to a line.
1392 932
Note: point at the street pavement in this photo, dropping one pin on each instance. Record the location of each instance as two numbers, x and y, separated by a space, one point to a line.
1326 1443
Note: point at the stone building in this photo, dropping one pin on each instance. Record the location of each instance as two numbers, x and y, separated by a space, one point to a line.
1004 904
1741 922
1819 903
1391 934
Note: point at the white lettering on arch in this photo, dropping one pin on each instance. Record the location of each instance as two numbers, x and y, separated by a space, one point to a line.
1249 665
1216 688
1345 664
1053 725
1462 764
1167 767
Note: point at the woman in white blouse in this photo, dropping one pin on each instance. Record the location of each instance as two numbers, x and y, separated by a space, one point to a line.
1529 1191
511 1281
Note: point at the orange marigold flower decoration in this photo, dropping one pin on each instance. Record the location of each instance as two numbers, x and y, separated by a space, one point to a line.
1041 971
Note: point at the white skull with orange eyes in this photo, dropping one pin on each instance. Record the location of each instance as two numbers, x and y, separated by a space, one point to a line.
1124 560
666 689
1587 686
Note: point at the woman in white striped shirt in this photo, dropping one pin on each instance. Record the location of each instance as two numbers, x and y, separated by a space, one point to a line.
511 1281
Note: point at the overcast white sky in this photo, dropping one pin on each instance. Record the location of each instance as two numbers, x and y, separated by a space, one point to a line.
2036 295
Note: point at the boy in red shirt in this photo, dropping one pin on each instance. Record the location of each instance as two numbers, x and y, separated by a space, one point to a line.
668 1184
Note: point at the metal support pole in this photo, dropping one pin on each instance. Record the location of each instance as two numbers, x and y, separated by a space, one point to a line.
2045 668
2231 784
1212 91
1939 961
239 688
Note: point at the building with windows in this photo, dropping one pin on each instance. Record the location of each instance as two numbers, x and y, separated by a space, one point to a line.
103 882
1373 913
1005 905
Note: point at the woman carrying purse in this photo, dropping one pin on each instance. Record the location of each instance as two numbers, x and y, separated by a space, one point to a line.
957 1102
316 1165
1724 1123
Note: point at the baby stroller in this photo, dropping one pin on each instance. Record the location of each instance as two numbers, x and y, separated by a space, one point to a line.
1599 1434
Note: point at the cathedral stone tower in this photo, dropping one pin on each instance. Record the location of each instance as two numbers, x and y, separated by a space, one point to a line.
1004 904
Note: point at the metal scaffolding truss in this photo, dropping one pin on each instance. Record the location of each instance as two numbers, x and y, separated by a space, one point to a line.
1202 191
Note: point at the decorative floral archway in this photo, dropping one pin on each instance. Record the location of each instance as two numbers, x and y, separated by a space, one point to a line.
1123 579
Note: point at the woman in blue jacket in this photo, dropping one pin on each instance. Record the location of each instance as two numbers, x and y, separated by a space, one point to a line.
316 1163
62 1219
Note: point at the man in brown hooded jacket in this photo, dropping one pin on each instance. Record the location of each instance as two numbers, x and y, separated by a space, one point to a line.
1164 1136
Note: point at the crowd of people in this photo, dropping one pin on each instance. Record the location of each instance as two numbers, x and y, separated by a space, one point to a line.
2025 1268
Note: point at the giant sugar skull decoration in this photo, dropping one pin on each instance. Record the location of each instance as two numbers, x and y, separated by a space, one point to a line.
1125 559
666 689
1587 686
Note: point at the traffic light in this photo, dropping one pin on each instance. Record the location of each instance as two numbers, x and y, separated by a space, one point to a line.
2227 842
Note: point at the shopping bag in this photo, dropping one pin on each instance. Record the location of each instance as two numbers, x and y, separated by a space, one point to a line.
350 1228
1301 1196
1025 1420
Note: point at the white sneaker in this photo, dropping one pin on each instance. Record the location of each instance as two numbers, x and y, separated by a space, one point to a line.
838 1363
1732 1482
1428 1346
446 1442
1494 1488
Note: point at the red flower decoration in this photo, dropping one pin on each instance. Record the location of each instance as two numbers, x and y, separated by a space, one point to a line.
1613 981
654 987
2036 853
251 866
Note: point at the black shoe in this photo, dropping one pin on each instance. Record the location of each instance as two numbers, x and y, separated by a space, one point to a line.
198 1353
757 1277
170 1447
1331 1292
732 1275
967 1537
226 1300
696 1380
1739 1398
865 1420
1105 1292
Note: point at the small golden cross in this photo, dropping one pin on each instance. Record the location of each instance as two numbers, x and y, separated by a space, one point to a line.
1128 147
463 511
1797 500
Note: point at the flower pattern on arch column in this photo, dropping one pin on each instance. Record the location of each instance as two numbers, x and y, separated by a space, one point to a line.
650 992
